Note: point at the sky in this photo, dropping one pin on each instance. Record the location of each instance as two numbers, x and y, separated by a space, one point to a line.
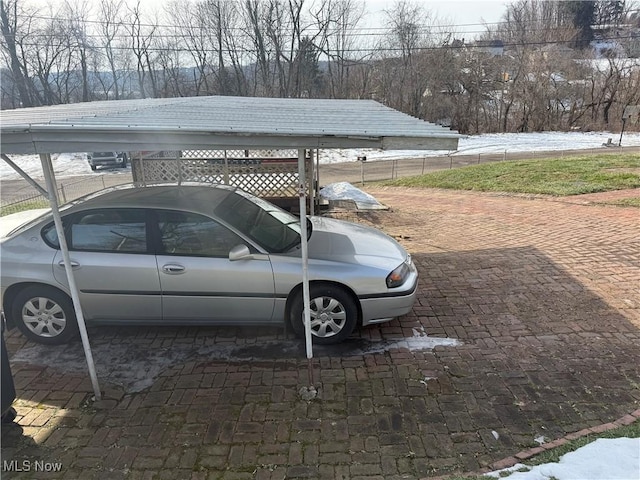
467 15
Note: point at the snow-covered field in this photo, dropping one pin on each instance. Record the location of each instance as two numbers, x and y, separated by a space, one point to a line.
72 164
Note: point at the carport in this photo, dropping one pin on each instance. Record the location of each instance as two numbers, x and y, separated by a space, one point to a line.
204 123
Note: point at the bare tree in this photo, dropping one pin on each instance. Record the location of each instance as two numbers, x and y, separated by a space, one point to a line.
74 18
111 26
190 24
411 33
611 80
253 13
283 30
142 36
49 57
221 25
538 37
336 22
16 25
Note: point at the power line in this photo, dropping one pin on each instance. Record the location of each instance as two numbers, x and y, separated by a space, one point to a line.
309 31
170 26
376 49
358 32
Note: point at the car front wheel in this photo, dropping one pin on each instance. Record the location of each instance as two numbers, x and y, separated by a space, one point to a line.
334 314
45 315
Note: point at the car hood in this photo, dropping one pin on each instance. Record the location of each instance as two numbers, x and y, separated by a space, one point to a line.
338 240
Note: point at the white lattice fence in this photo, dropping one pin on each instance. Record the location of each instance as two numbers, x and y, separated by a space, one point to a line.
265 173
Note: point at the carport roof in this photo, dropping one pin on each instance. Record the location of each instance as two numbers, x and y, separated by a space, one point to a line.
216 122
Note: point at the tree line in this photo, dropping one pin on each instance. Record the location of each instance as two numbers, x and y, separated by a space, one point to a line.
534 70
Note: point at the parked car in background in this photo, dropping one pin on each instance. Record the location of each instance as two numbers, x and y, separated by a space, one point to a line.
199 254
107 159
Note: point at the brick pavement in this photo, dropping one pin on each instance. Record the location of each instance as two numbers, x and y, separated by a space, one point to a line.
542 294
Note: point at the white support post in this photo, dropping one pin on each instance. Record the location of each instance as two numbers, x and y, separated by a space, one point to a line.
317 184
305 252
47 169
312 185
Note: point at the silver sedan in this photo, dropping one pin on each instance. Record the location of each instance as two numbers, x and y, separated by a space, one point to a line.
199 255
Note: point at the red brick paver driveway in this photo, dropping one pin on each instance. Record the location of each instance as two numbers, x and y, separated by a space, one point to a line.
543 296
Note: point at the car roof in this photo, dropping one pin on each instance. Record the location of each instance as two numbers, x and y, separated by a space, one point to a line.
194 197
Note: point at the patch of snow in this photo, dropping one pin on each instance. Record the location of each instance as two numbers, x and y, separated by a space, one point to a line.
605 458
415 343
540 440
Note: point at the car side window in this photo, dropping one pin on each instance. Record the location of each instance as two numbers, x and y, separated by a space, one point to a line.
50 235
184 233
122 230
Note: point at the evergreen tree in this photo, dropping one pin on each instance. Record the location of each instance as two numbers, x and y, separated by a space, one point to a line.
582 15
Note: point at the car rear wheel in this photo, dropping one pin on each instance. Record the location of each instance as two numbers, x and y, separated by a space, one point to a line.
45 315
334 314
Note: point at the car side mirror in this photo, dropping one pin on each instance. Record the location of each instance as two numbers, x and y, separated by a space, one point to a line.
239 252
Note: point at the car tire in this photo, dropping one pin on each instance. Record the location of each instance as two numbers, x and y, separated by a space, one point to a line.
93 167
45 315
334 314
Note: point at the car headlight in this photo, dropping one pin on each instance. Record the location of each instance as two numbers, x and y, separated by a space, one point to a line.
399 275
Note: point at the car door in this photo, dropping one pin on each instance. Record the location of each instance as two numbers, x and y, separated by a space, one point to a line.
199 283
116 274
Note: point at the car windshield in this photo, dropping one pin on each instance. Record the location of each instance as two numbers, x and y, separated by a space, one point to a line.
266 224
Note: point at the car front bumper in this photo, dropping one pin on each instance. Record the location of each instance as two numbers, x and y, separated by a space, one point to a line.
385 307
98 162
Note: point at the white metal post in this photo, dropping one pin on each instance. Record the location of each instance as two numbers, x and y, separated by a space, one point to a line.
49 177
317 181
312 186
305 252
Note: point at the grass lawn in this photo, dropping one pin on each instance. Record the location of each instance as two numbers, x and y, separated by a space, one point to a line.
21 207
561 176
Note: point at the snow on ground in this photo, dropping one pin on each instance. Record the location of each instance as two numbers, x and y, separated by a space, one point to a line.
72 164
496 143
603 459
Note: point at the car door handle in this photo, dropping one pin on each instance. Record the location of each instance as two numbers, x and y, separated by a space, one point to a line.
173 269
73 263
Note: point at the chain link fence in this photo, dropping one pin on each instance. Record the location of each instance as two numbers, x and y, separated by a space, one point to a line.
18 195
